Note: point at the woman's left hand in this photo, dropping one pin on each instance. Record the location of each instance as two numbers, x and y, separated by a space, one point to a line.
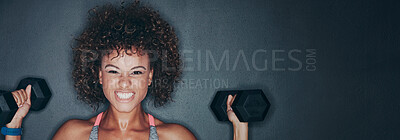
240 129
231 115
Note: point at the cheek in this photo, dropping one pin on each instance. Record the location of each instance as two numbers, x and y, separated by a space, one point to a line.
141 83
109 82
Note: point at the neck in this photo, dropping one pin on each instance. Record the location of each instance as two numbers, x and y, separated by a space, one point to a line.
115 120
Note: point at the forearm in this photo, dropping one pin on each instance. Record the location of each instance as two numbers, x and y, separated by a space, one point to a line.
240 131
14 124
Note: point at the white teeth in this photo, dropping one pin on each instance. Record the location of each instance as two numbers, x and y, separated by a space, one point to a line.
124 95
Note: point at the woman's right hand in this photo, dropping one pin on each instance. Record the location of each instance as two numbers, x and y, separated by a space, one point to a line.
23 99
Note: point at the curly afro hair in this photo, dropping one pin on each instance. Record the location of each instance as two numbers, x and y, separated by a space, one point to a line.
134 27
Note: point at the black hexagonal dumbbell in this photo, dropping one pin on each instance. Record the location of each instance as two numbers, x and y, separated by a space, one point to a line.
249 105
40 95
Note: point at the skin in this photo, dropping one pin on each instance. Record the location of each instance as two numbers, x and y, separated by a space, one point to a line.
124 119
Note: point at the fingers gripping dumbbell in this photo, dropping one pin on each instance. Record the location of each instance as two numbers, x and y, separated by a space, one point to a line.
249 105
40 95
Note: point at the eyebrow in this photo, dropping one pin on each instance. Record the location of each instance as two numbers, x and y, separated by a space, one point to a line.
110 65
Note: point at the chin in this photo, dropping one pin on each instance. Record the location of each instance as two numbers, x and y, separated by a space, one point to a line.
126 108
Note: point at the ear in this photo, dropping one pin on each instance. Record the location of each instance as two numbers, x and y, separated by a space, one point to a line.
150 76
100 76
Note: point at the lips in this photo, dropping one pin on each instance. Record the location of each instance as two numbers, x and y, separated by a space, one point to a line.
124 96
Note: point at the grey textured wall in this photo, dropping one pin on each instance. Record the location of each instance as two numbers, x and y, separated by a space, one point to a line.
269 44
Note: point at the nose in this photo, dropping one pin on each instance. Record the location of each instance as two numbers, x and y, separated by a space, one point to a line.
124 82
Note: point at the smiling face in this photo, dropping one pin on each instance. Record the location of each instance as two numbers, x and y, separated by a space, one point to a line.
125 79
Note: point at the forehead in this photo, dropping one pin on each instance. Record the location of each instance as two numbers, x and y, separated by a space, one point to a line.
125 58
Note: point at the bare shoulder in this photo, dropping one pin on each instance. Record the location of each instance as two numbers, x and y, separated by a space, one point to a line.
172 131
74 129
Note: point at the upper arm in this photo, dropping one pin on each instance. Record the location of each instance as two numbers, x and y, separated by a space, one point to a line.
178 132
72 129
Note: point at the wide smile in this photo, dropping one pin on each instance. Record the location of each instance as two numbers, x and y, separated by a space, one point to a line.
124 97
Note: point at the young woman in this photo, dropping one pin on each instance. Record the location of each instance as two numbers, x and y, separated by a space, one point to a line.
119 58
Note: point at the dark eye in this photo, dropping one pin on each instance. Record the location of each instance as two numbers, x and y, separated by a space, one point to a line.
137 72
112 71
